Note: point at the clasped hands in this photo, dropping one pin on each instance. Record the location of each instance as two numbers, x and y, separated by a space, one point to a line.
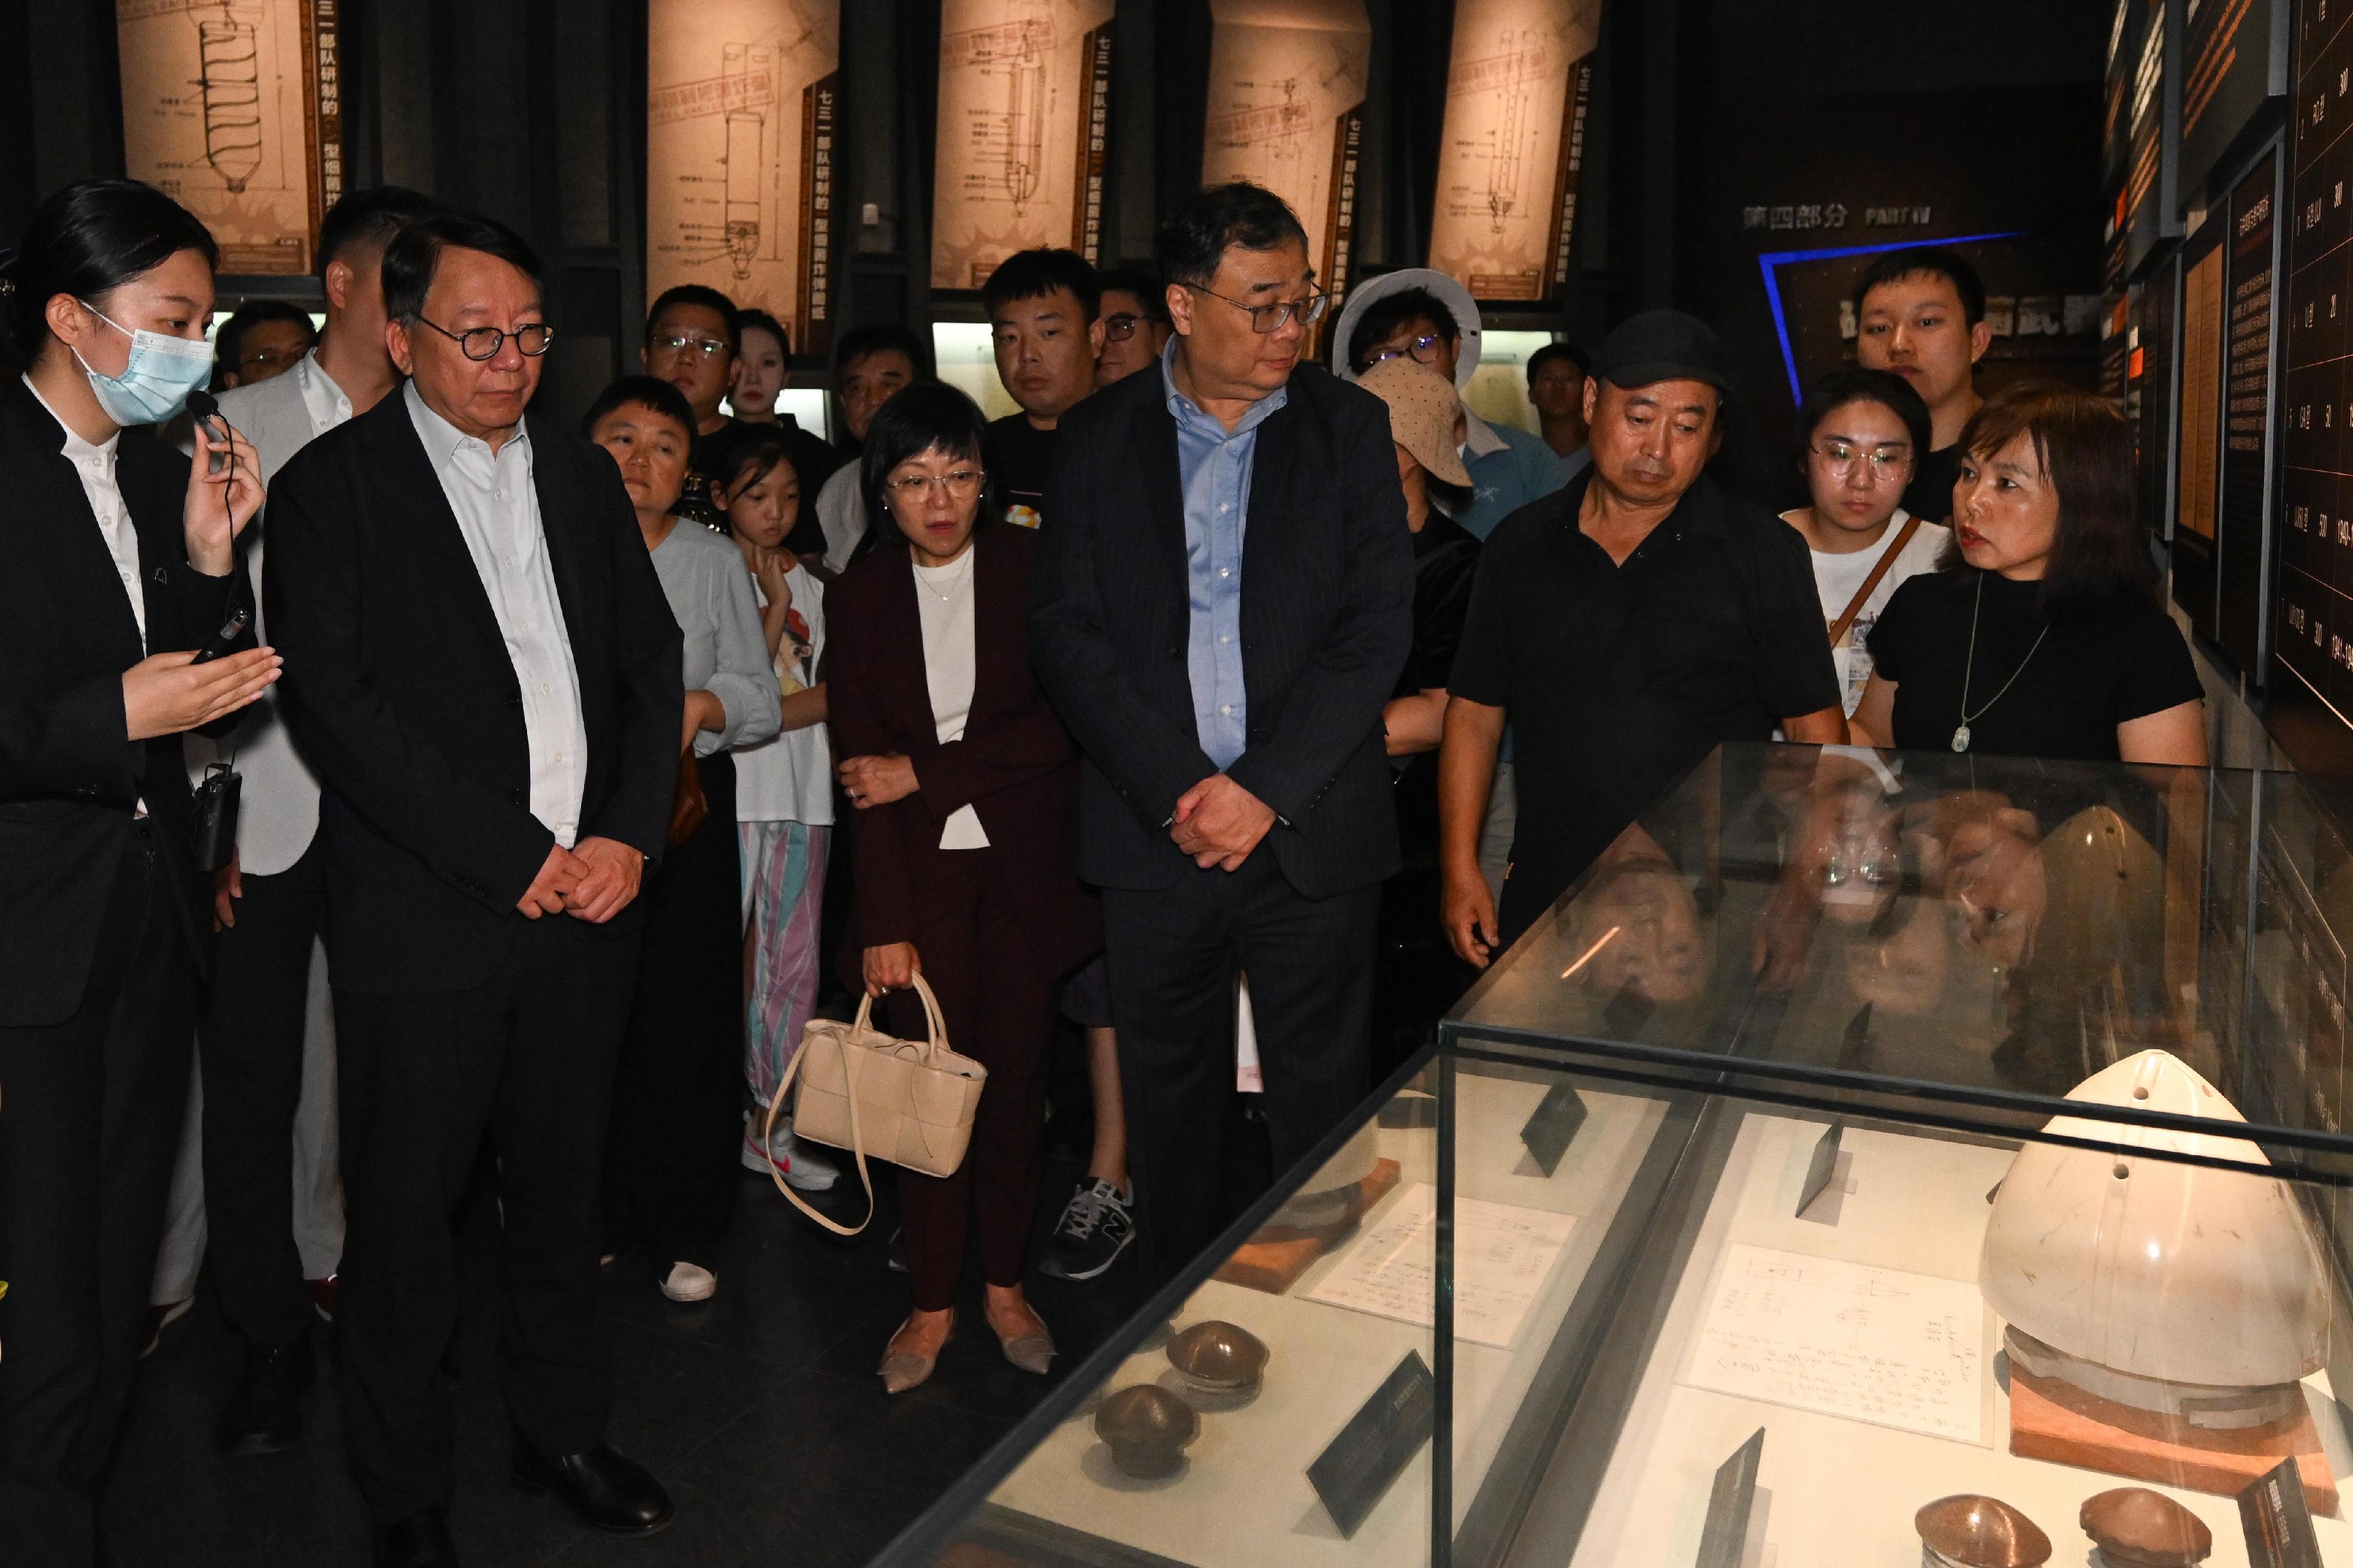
594 880
1218 823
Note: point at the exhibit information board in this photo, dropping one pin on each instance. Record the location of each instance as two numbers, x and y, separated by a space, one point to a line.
236 113
1512 153
2147 213
740 154
2314 616
1025 96
2247 415
1286 111
2235 54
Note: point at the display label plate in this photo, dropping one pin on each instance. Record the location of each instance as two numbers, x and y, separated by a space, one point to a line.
2278 1523
1356 1468
1556 1118
1825 1162
1728 1504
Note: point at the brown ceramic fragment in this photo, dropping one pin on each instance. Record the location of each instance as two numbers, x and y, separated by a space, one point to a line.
1147 1429
1218 1355
1976 1531
2136 1528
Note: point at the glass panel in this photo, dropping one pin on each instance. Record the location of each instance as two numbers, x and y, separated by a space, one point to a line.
1993 930
1196 1443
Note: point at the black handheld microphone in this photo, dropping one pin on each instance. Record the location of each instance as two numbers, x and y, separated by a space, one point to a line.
206 408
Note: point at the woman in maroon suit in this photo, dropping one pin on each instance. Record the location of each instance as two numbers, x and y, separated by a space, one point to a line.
965 789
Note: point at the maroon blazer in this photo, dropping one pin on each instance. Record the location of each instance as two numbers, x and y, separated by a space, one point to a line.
1015 763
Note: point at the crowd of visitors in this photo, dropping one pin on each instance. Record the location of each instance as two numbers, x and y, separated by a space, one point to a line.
1208 683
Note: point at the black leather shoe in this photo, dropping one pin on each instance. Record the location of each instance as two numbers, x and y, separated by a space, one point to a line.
266 1414
420 1541
604 1488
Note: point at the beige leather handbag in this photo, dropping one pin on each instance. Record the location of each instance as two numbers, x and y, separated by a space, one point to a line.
907 1101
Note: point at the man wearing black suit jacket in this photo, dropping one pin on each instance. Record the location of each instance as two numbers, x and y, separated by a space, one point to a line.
1234 804
492 699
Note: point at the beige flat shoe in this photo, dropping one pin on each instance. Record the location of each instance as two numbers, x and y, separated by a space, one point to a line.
1030 1352
902 1370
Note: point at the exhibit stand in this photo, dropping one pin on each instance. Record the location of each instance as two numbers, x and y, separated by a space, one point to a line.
1874 1159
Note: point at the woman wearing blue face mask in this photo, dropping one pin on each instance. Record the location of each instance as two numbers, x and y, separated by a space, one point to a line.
120 562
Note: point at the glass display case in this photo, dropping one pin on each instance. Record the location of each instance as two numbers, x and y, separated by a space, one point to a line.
1873 1159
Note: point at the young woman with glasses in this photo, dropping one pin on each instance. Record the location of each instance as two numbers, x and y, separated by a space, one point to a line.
1860 437
964 789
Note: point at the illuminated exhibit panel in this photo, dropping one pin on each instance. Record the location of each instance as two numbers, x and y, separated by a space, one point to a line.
1024 105
1286 99
1513 147
740 154
235 111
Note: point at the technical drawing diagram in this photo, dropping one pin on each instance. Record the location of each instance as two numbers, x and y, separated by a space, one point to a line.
230 61
1286 80
220 112
1509 150
738 169
1023 86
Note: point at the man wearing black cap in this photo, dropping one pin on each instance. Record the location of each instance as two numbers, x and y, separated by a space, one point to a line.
1625 625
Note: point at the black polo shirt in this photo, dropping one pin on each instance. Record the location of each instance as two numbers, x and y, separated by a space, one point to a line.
1619 680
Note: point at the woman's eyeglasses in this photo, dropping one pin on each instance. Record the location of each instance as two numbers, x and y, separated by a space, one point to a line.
1842 458
913 490
1423 349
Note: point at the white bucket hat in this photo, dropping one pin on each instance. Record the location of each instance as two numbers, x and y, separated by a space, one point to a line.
1450 293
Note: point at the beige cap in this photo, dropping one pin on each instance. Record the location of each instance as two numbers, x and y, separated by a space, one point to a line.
1424 411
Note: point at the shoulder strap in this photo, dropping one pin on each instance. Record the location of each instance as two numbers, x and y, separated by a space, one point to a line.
1879 569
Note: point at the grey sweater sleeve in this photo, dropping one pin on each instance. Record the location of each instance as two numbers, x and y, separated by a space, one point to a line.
743 677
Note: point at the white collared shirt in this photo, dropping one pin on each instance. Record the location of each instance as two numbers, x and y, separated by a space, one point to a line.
95 464
498 513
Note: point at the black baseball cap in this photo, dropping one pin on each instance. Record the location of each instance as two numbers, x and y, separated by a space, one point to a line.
1662 346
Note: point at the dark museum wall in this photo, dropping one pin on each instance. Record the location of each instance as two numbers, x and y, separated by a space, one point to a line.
1981 111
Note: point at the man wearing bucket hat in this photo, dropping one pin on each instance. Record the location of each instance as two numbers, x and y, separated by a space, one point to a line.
1418 977
1625 626
1429 318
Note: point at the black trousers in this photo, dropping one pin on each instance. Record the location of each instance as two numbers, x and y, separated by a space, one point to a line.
999 1008
89 1128
671 1165
1173 953
251 1038
526 1058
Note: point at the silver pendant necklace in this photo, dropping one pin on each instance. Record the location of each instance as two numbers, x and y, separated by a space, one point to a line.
1961 735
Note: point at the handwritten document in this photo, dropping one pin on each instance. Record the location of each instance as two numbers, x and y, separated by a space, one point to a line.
1503 1255
1845 1339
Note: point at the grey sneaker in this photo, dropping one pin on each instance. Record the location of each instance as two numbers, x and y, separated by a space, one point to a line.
794 1158
1097 1225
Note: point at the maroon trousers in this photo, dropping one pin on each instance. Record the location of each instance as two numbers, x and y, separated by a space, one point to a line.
980 964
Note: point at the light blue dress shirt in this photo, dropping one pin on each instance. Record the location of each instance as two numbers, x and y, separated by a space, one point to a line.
1215 468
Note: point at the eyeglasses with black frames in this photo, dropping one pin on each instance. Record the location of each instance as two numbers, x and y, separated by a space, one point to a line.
1423 349
484 342
1265 319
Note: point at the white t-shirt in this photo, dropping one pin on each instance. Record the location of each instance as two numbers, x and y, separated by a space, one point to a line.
790 778
1836 578
945 595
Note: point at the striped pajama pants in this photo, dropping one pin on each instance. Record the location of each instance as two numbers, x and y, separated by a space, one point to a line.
783 892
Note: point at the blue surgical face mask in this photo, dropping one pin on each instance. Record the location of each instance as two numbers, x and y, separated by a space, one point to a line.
155 382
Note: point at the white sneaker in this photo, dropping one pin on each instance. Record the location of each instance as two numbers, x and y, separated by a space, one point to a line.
794 1158
689 1282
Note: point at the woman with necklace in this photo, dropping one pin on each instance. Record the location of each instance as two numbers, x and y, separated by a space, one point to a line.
670 1166
964 789
2046 638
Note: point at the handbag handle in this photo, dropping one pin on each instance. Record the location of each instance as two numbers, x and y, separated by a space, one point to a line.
864 1024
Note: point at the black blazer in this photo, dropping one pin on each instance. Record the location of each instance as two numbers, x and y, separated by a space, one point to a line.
1326 614
1015 762
69 780
399 689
